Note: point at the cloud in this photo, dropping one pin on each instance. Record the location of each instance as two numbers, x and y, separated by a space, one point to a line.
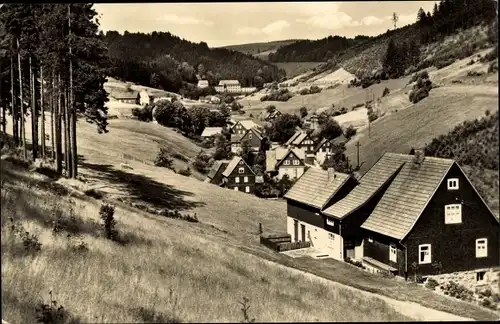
270 29
330 20
371 21
184 20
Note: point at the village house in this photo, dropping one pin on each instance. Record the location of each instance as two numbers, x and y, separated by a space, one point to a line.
203 84
235 175
148 98
272 115
314 191
281 161
302 141
130 97
236 143
211 131
231 86
325 147
242 126
429 219
254 138
312 121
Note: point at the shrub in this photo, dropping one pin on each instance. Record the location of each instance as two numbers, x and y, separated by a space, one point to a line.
350 132
493 67
277 95
458 291
474 73
355 263
163 159
51 313
180 157
202 162
93 193
143 114
431 284
175 214
186 172
245 306
385 92
106 213
30 241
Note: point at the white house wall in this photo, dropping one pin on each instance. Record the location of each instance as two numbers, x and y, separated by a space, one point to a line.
319 238
294 172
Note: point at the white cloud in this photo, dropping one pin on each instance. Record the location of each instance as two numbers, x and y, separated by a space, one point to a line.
330 20
275 27
371 21
270 29
184 20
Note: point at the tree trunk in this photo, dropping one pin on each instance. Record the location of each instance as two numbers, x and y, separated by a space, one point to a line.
67 145
42 109
72 108
3 104
15 121
34 142
23 129
52 114
58 135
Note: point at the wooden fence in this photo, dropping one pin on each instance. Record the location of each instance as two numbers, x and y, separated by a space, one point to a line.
282 242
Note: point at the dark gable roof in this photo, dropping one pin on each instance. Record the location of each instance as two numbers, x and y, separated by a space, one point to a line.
299 154
255 131
294 136
216 168
236 138
369 185
233 164
406 198
338 140
314 189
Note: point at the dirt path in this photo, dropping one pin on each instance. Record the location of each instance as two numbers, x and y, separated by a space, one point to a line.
413 310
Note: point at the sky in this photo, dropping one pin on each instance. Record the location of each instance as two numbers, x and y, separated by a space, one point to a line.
220 24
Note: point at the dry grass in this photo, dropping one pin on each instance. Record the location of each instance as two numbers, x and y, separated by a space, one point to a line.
157 275
437 114
294 69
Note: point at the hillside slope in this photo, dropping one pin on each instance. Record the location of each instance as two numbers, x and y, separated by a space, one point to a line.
258 49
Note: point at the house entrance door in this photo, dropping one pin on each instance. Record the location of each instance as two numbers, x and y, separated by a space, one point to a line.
303 228
295 230
349 249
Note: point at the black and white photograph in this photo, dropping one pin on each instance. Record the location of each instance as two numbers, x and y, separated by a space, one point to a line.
249 162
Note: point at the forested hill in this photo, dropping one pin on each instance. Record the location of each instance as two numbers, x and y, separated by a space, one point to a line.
166 61
320 50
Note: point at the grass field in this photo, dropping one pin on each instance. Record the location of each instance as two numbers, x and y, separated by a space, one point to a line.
294 69
153 273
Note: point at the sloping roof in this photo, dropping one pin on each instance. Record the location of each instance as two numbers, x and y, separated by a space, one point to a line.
314 189
232 165
272 114
275 157
229 82
236 138
405 199
218 165
369 185
247 124
210 131
299 138
202 82
337 140
257 132
294 136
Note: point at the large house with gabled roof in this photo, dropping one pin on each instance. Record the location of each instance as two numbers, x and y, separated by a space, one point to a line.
235 174
281 161
315 191
407 213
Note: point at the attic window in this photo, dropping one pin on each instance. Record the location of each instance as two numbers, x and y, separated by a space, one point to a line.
296 162
250 136
241 170
286 162
453 184
241 163
330 222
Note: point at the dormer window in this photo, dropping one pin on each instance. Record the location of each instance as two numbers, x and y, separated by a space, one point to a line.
241 170
453 184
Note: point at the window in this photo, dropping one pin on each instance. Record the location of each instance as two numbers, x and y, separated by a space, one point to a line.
481 248
370 239
249 136
480 275
235 188
241 163
241 170
237 179
453 214
296 162
331 236
453 184
311 148
330 222
393 253
424 254
287 162
247 189
245 179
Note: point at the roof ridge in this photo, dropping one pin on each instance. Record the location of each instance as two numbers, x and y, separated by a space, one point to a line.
425 156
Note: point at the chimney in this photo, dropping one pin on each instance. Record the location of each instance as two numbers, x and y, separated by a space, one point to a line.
331 174
419 156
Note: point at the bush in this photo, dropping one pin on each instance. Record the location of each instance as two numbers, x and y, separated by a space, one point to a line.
177 215
93 193
180 157
431 284
106 213
163 159
493 67
385 92
30 241
186 172
355 263
277 95
458 291
143 114
202 162
350 132
51 313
